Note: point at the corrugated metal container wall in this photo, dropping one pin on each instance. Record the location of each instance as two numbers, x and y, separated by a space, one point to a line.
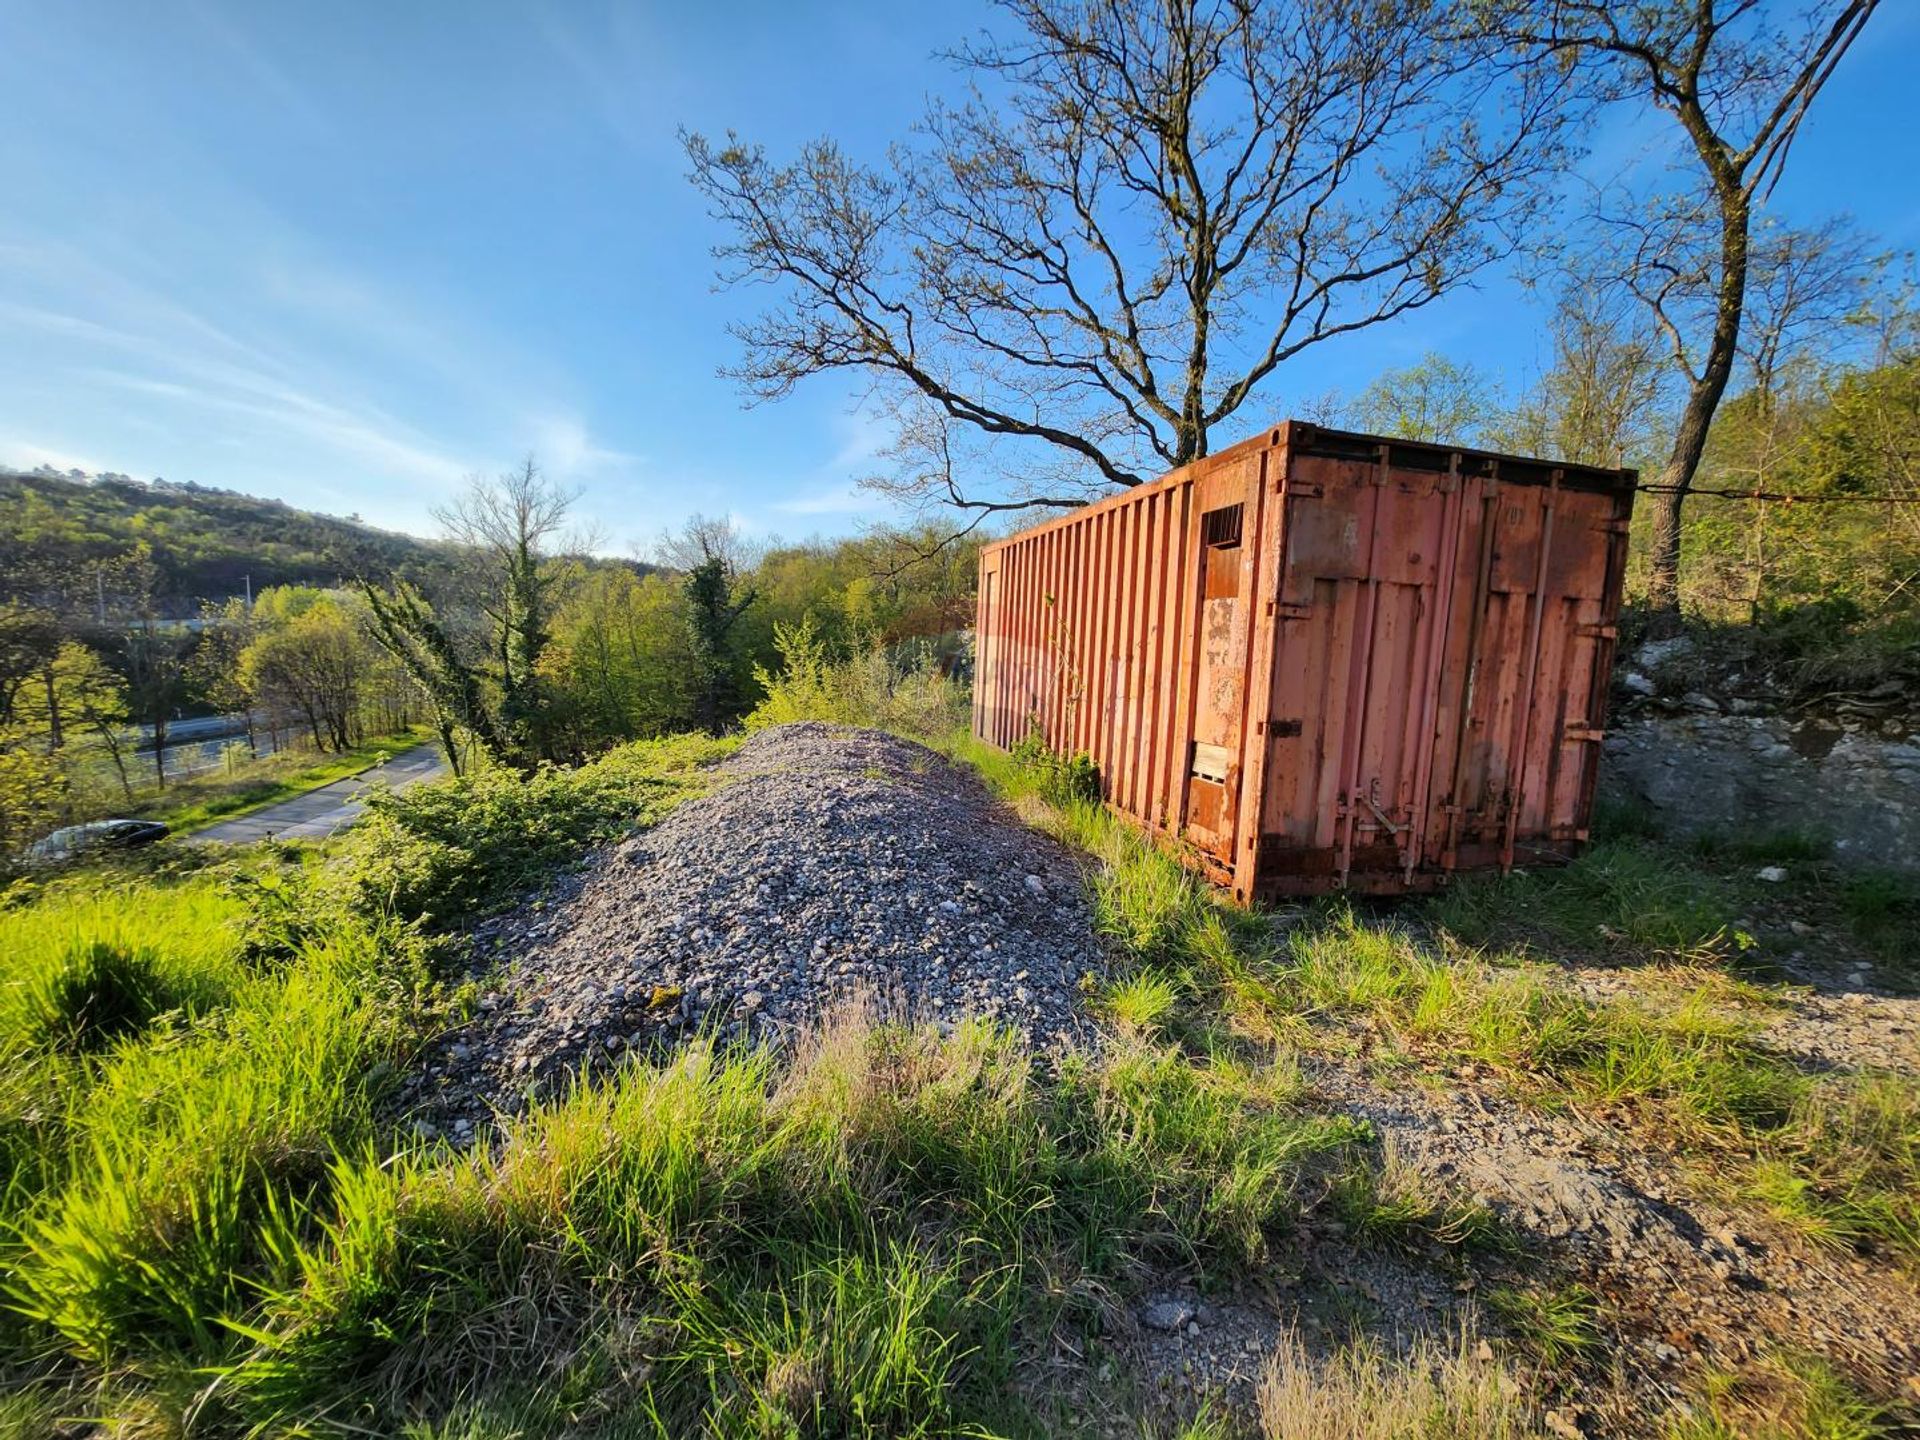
1322 660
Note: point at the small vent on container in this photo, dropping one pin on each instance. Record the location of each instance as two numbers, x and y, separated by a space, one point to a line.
1221 528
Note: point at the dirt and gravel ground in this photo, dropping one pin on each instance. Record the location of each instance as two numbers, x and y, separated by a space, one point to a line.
834 865
837 863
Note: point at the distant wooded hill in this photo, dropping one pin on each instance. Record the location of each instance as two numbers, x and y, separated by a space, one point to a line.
205 542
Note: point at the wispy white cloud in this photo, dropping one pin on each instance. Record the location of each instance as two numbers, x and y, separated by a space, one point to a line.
833 487
370 437
567 450
145 344
252 60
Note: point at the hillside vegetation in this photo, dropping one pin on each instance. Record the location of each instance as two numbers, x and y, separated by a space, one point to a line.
205 542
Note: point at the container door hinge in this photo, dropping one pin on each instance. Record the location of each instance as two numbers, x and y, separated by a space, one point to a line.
1294 490
1597 632
1586 734
1289 609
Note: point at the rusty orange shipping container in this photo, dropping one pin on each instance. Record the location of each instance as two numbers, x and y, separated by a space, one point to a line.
1323 660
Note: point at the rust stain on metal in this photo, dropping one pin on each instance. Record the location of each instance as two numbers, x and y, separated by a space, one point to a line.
1321 660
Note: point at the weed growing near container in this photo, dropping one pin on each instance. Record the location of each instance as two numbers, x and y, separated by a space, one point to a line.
1839 1157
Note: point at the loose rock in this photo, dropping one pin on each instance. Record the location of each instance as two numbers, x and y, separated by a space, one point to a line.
836 865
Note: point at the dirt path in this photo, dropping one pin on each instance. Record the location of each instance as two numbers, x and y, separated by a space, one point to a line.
1684 1283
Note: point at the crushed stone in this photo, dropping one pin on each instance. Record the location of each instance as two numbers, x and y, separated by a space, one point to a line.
832 865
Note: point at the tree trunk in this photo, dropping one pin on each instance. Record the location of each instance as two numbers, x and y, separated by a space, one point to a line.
111 742
447 746
1696 421
54 737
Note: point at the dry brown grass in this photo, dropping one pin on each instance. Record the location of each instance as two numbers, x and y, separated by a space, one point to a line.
1435 1392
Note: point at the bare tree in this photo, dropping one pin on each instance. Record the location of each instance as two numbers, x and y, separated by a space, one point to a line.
1807 287
1738 83
1159 207
703 539
510 523
1597 401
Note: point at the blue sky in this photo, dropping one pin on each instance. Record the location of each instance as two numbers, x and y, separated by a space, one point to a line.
346 254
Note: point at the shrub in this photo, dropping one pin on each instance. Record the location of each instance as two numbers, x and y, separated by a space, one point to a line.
1059 779
435 852
900 690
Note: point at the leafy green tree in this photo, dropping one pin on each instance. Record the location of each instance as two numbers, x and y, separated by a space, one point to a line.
713 560
405 625
621 655
510 524
316 664
1437 399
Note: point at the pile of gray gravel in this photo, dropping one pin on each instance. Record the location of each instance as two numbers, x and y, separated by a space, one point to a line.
833 865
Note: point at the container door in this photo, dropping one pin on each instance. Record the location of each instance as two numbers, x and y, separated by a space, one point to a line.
1219 690
1357 650
1518 765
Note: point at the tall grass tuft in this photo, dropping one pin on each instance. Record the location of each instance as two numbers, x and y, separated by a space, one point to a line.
185 1154
1437 1391
85 970
841 1246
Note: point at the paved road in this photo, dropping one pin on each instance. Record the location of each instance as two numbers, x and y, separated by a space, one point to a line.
320 813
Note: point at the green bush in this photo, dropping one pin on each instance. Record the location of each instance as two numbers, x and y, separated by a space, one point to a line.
1059 779
900 690
437 852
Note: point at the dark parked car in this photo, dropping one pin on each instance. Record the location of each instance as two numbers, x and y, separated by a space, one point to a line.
92 838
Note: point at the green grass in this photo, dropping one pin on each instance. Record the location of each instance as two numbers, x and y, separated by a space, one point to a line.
1790 1397
197 802
1623 896
845 1247
91 973
866 1238
1881 910
182 1156
1838 1157
213 1225
1556 1325
1139 1003
191 1054
1389 1200
88 968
